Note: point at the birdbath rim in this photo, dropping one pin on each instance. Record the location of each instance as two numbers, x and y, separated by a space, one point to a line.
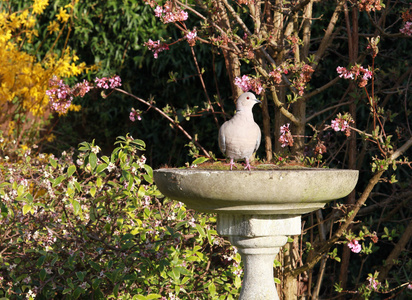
291 191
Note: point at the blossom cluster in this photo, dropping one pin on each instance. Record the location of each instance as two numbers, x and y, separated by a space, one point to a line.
170 15
61 95
369 5
407 29
286 138
106 83
341 123
276 74
354 246
156 47
191 37
302 74
305 74
247 83
135 115
407 18
356 72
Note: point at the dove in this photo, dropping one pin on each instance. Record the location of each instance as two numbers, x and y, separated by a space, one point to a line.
240 137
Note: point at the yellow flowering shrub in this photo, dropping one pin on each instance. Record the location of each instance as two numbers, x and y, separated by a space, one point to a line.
24 77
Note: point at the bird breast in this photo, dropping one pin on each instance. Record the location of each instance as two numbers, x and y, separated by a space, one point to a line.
241 137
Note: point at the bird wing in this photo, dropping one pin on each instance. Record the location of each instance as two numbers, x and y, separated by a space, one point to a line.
222 139
258 138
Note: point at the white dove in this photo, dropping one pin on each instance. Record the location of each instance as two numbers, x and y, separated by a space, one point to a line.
240 137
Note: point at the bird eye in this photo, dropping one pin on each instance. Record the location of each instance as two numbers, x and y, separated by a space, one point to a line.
247 98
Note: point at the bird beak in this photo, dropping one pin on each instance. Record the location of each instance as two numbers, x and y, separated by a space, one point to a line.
258 101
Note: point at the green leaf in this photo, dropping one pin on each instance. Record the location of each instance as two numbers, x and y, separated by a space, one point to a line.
93 191
53 162
200 230
139 144
148 178
42 274
80 275
93 160
40 261
100 168
200 160
76 207
116 290
71 170
212 289
26 208
58 180
78 187
20 190
153 296
149 170
95 266
77 292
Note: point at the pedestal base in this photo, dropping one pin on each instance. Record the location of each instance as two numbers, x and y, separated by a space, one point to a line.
258 239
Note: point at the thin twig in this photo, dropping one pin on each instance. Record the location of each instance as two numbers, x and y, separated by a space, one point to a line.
168 118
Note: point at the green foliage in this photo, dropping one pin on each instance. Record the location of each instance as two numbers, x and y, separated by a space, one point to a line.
95 226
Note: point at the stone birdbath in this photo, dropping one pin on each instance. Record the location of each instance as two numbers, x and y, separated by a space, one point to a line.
257 210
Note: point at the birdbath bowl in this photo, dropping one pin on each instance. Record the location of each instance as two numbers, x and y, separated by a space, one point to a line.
257 210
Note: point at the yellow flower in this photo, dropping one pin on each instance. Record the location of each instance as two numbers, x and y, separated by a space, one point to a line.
50 137
39 6
5 36
53 27
63 16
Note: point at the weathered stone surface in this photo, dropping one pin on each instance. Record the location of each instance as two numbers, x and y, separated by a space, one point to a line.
290 192
257 210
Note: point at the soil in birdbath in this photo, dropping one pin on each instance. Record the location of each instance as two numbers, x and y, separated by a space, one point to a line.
219 165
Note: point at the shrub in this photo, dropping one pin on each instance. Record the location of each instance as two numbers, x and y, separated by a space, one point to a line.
95 227
24 75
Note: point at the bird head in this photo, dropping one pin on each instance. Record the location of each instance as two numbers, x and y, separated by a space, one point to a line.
246 101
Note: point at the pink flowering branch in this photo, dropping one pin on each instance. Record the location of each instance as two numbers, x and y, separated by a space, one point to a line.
61 96
168 118
350 216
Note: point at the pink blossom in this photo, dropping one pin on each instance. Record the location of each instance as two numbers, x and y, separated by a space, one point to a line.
106 83
170 15
115 82
247 83
339 124
343 72
135 114
356 72
277 76
285 138
373 283
409 286
158 11
354 246
61 95
101 83
156 47
191 37
407 29
243 83
367 74
284 128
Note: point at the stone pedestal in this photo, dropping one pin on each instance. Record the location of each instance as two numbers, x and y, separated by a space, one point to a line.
257 210
258 239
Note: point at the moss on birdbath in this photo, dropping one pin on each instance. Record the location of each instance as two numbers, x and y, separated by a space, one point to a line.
218 165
